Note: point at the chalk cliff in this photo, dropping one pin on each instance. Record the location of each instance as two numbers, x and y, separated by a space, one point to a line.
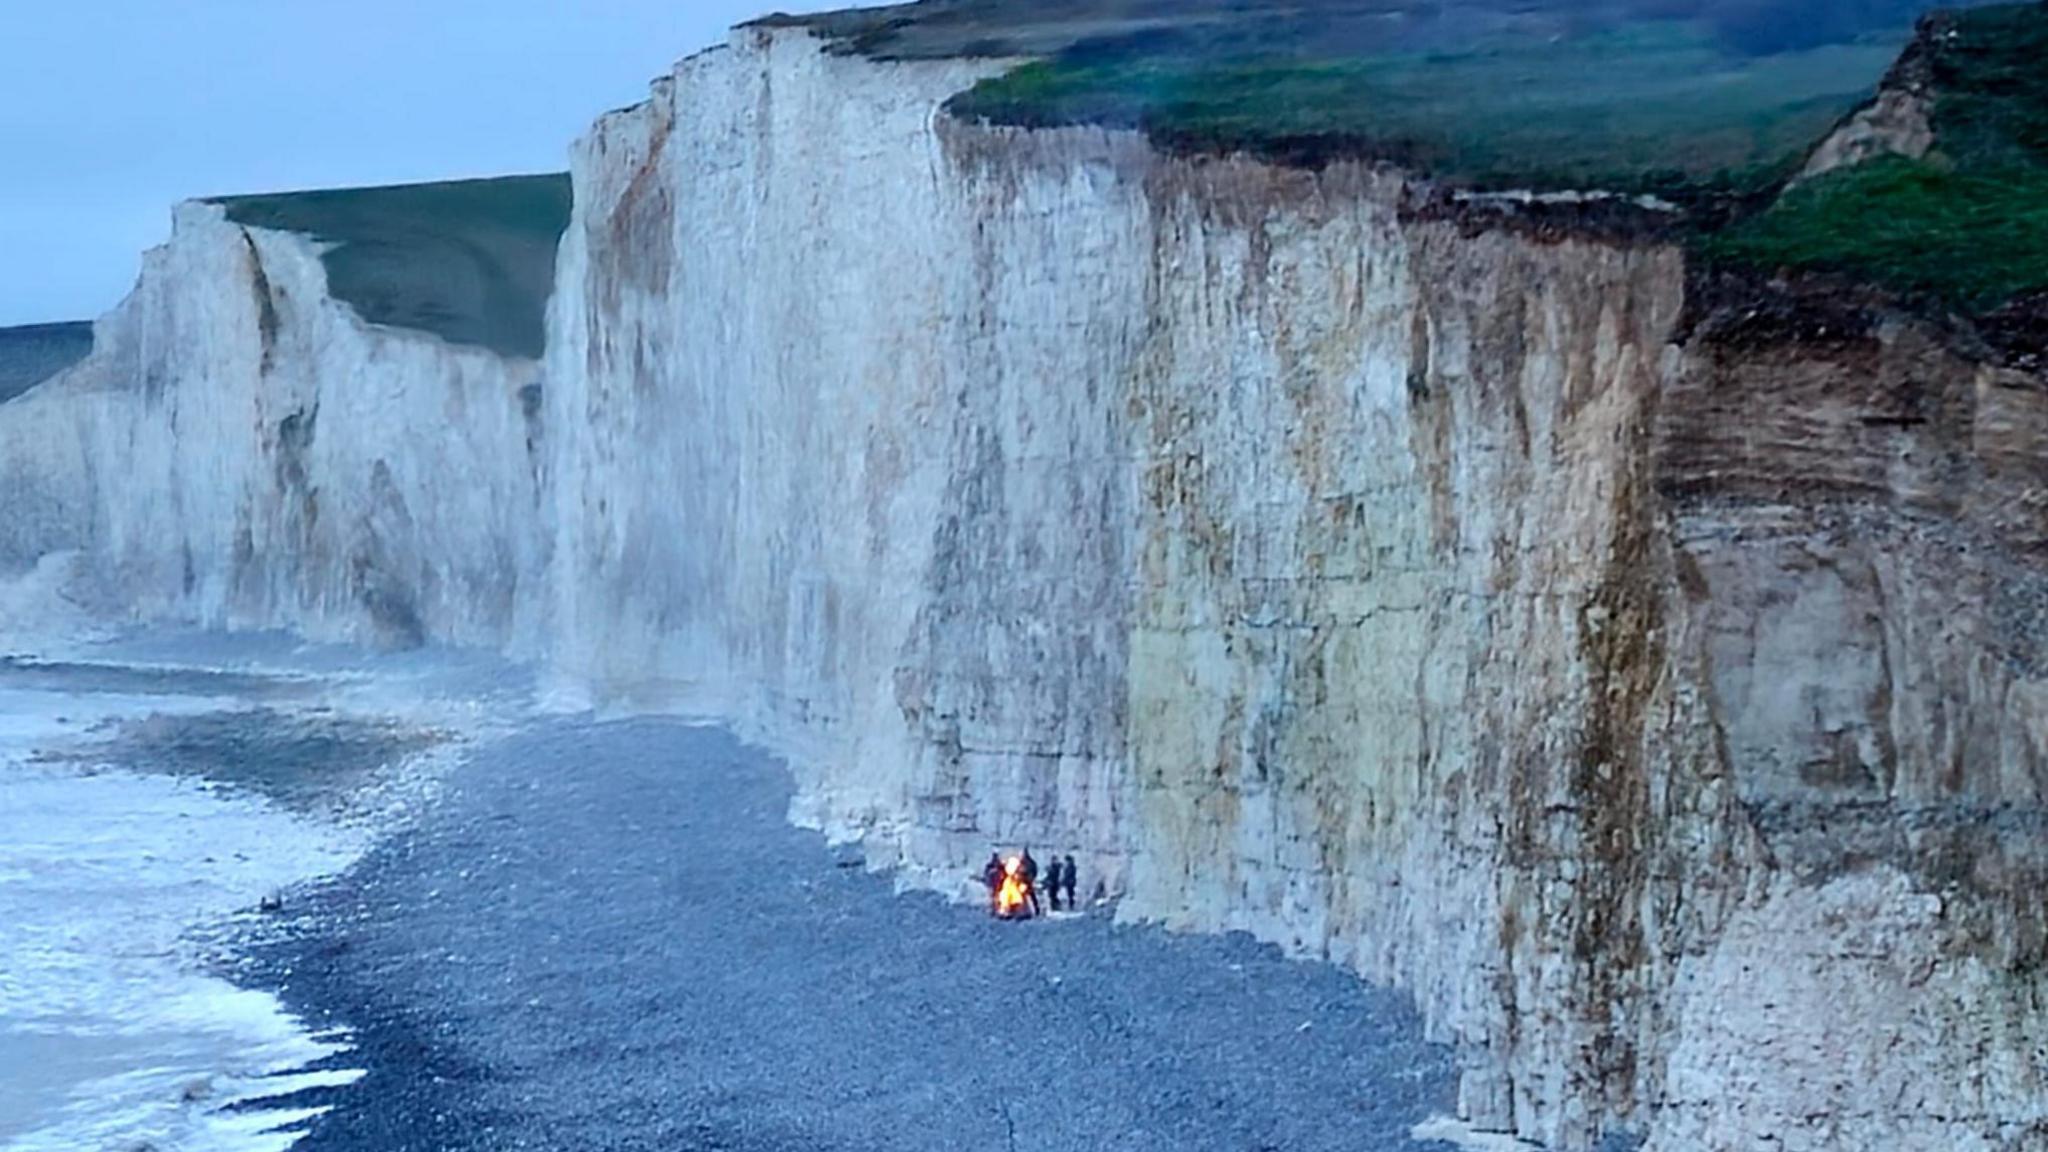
1642 669
241 450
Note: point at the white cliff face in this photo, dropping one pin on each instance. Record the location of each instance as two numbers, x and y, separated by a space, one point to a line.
1208 520
241 450
1309 566
1661 705
767 273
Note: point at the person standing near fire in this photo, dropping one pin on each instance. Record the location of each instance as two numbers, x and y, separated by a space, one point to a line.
992 876
1052 882
1030 870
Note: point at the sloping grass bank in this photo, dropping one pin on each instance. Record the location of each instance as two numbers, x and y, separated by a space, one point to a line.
1660 107
472 261
1966 226
32 354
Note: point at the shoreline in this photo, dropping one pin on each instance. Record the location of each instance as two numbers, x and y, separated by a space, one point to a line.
114 885
544 930
155 791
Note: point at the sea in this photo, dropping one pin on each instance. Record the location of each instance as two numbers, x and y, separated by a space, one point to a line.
113 1033
126 876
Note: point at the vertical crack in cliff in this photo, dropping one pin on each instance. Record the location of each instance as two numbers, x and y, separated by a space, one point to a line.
1621 633
387 532
297 494
267 321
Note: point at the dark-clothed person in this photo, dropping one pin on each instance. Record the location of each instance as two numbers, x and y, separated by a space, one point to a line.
1030 870
1052 882
1070 876
992 875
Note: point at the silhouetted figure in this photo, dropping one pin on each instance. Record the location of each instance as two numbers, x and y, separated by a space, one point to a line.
992 876
1030 870
1071 876
1052 882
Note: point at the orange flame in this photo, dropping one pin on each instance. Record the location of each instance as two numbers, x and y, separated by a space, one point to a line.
1010 897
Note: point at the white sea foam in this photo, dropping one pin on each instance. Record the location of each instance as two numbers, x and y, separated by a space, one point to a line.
112 1035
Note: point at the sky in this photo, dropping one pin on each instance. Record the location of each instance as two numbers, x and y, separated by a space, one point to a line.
113 110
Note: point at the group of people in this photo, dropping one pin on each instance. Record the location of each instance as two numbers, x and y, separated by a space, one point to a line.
1061 877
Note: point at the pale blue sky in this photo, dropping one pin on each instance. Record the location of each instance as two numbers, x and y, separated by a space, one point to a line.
112 110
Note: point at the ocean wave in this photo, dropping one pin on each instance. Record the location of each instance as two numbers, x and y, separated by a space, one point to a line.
113 1033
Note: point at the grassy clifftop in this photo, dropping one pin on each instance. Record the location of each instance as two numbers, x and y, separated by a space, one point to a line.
33 354
1966 225
1675 97
1712 105
471 261
1657 107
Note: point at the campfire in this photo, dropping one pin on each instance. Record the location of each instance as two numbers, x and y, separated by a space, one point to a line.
1011 896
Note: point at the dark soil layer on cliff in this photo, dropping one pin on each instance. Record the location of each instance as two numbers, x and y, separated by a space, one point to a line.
33 354
605 937
471 261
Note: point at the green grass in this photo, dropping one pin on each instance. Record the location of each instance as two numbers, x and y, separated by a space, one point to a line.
32 354
1992 76
1970 239
1685 109
1337 29
1658 106
1967 227
471 261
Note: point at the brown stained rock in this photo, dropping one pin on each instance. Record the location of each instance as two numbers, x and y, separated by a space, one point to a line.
638 250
